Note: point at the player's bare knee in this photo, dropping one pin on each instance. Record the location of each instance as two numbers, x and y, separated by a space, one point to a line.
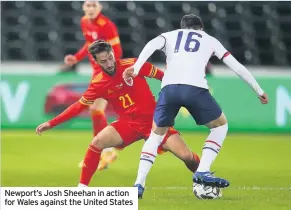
220 121
159 130
98 142
99 105
154 128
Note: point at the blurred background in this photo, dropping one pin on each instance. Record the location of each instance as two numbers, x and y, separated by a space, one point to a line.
35 86
35 37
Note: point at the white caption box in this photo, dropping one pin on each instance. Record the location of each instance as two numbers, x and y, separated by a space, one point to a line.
69 198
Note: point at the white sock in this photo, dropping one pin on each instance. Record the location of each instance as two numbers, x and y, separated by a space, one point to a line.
148 156
110 149
211 147
82 185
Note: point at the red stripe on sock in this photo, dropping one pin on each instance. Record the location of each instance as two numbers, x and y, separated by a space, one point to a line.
196 157
213 143
94 149
148 154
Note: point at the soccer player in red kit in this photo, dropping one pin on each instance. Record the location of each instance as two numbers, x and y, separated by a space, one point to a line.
96 26
135 111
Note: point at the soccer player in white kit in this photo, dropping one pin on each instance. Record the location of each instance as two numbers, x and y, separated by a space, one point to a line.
188 51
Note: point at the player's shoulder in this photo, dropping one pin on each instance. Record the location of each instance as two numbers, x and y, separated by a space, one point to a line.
168 33
98 78
213 40
103 20
206 35
84 19
126 61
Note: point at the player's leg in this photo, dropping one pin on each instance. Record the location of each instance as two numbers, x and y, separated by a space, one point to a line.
218 131
108 137
206 111
99 122
211 148
118 134
165 113
97 110
98 107
174 143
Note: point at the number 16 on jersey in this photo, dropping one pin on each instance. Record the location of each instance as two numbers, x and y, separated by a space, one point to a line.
189 41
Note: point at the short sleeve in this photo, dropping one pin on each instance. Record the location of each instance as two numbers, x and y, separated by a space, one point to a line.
92 93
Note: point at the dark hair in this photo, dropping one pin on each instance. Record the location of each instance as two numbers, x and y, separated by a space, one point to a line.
191 21
99 47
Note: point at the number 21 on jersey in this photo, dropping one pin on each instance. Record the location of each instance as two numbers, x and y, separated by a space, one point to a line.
126 101
195 44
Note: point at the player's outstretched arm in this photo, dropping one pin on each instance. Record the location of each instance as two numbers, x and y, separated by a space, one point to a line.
243 73
82 53
66 115
87 99
153 45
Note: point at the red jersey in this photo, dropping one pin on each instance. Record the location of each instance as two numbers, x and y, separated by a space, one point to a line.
132 102
99 28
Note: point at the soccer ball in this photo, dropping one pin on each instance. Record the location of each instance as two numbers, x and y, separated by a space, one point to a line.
206 192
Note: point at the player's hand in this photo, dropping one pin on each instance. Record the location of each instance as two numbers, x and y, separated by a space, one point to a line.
128 75
42 127
264 98
70 60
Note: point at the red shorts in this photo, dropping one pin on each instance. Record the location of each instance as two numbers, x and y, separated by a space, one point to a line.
134 130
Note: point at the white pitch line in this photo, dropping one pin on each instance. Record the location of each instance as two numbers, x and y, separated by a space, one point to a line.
237 188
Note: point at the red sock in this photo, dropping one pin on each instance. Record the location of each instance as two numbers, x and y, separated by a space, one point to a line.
90 165
193 165
99 122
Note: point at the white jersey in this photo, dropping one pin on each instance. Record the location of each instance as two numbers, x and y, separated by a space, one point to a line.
188 51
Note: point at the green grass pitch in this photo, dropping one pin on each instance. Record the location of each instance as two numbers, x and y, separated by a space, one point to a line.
257 165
